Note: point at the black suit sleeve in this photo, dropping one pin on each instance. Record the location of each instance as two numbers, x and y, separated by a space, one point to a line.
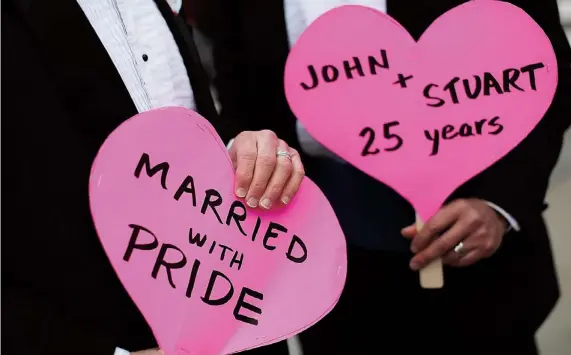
220 20
34 323
518 183
35 327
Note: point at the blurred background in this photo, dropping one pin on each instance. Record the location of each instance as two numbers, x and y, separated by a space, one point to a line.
555 335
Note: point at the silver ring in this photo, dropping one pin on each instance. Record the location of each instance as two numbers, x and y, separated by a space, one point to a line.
458 248
283 153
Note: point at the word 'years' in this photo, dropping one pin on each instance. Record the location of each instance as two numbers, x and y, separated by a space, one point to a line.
477 128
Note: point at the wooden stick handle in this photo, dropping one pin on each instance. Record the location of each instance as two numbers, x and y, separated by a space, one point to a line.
431 276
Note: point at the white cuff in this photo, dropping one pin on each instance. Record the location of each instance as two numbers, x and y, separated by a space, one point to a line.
230 143
119 351
512 221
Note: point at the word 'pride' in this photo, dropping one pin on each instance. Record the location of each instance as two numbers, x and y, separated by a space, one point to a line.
171 257
209 275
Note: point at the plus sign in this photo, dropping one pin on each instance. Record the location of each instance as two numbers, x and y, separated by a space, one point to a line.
402 80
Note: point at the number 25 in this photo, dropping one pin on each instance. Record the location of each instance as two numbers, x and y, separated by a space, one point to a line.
368 131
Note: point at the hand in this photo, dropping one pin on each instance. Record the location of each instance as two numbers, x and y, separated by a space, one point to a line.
149 352
263 178
470 221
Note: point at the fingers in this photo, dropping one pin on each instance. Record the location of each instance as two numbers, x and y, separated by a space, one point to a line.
279 178
409 232
479 245
297 175
441 245
469 258
243 153
263 178
452 257
436 225
471 222
266 160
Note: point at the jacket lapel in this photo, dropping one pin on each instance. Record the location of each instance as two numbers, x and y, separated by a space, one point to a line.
85 74
198 78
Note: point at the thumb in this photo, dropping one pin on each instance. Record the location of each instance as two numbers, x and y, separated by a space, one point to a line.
231 147
409 232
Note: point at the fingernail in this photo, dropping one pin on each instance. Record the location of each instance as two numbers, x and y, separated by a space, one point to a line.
252 202
266 203
414 266
285 200
413 249
241 192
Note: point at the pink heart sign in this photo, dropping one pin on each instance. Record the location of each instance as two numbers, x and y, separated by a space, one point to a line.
423 117
210 276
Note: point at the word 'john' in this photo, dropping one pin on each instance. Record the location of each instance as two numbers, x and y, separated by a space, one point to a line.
330 73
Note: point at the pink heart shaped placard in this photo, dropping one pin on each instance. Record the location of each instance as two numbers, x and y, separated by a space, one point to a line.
423 117
210 276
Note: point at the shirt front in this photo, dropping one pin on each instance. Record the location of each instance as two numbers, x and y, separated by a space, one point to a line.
143 50
145 54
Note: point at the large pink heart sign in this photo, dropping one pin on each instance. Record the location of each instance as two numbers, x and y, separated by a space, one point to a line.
210 276
423 117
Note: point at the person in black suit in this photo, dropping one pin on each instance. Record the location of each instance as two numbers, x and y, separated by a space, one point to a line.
72 71
498 293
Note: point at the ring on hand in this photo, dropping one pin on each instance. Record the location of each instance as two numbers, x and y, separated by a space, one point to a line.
283 153
458 248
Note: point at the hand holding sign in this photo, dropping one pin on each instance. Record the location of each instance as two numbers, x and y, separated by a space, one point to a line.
422 117
210 276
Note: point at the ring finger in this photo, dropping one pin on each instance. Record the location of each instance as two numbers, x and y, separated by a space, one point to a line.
279 177
453 256
296 178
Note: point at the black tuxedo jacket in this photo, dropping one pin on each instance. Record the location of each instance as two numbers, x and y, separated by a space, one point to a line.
61 97
251 47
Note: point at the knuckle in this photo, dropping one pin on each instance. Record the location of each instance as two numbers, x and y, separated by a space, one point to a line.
243 135
247 159
267 161
489 247
275 189
247 155
285 163
462 204
473 217
481 233
244 175
441 249
268 133
300 171
445 247
258 187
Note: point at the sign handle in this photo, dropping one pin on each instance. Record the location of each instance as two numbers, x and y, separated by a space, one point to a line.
431 276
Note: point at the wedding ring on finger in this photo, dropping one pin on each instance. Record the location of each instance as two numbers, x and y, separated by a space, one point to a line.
459 247
283 153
